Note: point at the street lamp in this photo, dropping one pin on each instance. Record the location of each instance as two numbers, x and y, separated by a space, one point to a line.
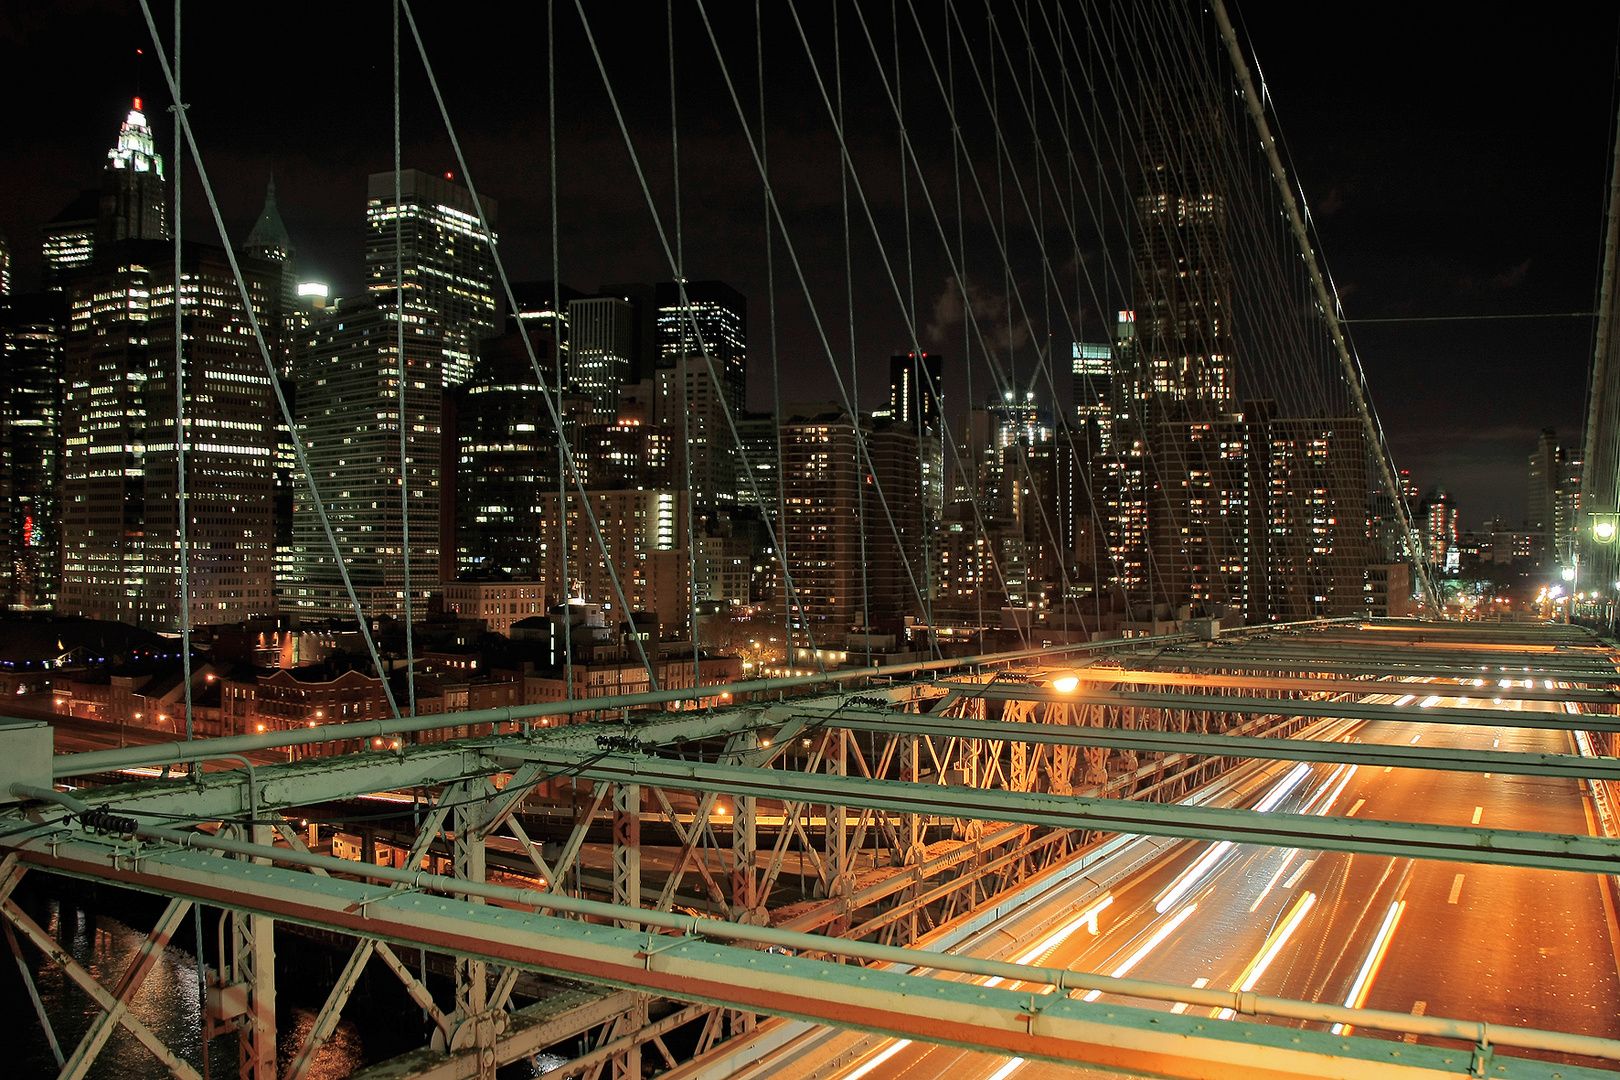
1605 527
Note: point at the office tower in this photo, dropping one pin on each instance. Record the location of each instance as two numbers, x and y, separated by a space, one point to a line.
830 499
32 329
1437 523
714 320
506 453
68 240
543 306
348 415
5 266
689 403
644 532
1183 272
821 530
601 345
757 431
1567 509
449 269
914 385
897 523
120 541
1092 386
1181 446
1541 513
1312 537
134 194
268 240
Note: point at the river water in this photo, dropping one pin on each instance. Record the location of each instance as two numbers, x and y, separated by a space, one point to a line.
91 925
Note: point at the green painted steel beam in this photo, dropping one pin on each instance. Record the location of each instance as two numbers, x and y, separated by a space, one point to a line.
1341 710
1244 746
964 1013
1547 851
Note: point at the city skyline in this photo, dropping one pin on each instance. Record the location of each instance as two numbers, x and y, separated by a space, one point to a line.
1551 205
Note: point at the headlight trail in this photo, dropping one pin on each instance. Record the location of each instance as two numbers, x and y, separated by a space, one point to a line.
1369 967
1148 946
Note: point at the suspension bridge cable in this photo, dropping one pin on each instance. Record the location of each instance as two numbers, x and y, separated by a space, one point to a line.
854 356
804 287
688 316
399 346
684 300
182 503
558 324
770 296
506 284
264 353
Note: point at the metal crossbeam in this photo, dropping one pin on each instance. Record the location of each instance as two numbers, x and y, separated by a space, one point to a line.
1060 1029
1547 851
1343 710
1269 749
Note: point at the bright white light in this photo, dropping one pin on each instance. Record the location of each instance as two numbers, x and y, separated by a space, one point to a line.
880 1059
1066 684
1007 1069
1407 700
1279 939
1287 784
1193 874
313 288
1430 701
1568 574
1331 799
1369 967
1148 946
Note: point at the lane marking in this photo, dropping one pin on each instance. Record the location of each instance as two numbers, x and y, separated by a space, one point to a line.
1418 736
1369 968
1495 743
1456 889
1359 804
1487 776
1297 874
1418 1009
1478 810
1388 767
1181 1006
1152 943
1272 883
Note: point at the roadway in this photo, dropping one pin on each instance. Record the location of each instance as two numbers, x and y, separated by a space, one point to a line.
1509 946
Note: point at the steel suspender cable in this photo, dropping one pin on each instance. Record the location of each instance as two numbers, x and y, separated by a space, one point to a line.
682 357
269 363
534 362
684 300
182 503
557 343
1385 468
399 323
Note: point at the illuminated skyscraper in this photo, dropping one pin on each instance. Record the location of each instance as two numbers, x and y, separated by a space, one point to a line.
348 392
134 194
449 268
68 240
1092 384
915 384
601 345
269 241
121 555
31 333
717 316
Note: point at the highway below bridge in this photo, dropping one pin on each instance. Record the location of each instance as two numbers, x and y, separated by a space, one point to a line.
1339 849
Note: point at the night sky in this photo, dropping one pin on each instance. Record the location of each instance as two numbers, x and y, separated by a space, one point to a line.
1456 158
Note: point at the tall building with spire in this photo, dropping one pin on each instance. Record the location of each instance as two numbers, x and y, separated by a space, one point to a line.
449 268
268 240
134 193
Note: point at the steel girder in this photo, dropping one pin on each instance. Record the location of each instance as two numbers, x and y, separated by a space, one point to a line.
1546 851
1306 685
1058 1028
1245 746
1344 710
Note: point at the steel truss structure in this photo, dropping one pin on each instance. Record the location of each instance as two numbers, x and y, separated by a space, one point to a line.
810 858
